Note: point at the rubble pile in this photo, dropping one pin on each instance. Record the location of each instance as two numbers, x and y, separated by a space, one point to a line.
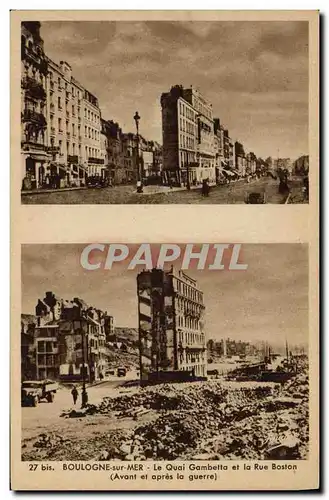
204 420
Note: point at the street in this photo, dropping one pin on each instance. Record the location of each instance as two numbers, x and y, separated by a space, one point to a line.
47 415
226 194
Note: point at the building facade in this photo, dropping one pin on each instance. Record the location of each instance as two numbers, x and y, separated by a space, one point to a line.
92 127
34 131
64 114
65 340
188 137
60 121
171 327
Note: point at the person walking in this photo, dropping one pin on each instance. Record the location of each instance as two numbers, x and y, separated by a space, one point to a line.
75 394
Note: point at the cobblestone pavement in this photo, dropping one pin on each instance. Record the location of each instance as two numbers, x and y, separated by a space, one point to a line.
228 194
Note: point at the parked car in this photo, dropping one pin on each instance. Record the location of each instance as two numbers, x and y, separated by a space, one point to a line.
33 391
121 372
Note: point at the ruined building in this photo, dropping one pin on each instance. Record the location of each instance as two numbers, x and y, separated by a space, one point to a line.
171 330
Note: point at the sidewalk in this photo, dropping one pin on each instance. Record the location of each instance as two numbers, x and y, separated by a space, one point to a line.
58 190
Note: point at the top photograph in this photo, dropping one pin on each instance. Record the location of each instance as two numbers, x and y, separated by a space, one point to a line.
159 112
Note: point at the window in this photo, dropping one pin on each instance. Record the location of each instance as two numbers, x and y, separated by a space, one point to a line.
59 103
59 124
73 110
41 346
59 83
60 146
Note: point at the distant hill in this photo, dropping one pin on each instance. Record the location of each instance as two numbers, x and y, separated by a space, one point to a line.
127 335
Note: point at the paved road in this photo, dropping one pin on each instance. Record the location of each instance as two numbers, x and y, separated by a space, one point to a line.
228 194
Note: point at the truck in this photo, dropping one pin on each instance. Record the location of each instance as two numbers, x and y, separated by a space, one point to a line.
33 391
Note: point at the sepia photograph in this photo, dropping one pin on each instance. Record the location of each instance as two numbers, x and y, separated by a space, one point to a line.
165 112
165 352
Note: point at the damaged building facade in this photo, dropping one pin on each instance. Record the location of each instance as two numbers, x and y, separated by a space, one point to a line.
171 327
66 342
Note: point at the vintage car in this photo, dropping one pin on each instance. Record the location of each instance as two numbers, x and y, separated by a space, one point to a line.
255 198
33 391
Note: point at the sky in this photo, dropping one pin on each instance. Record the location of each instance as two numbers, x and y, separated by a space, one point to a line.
255 74
268 301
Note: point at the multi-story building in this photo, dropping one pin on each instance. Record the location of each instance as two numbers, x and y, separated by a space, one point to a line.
68 166
218 147
251 163
82 342
47 362
301 165
28 353
240 159
129 153
171 328
231 161
113 150
91 122
152 162
226 145
60 120
67 341
188 136
34 133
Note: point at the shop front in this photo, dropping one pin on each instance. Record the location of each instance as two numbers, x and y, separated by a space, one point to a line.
34 169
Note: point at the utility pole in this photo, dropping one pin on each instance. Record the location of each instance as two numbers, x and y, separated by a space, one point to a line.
84 394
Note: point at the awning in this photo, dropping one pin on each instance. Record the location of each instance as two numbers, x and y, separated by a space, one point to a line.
39 157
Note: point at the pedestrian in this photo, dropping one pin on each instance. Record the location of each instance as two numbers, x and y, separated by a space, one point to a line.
205 187
75 394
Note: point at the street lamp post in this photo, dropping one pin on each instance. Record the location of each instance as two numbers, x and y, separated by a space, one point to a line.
137 118
84 394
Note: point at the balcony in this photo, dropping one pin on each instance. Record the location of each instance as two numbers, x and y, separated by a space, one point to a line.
80 138
67 95
73 159
97 161
31 144
52 108
60 131
35 59
67 114
52 131
29 115
79 119
68 134
33 88
53 150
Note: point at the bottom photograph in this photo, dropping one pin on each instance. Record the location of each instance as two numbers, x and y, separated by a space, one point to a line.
164 352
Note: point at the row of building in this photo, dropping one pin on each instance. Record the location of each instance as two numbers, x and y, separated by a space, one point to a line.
227 348
197 146
69 340
64 139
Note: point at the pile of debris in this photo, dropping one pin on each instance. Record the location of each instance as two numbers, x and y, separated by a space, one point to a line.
200 420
